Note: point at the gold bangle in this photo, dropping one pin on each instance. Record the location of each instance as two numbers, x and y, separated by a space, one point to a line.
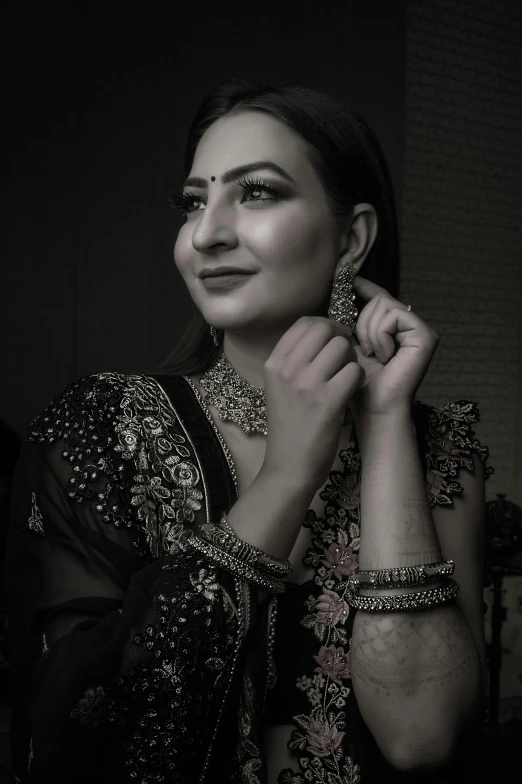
419 600
401 577
235 566
224 537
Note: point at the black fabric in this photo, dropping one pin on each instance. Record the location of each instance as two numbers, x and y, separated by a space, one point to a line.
91 613
133 658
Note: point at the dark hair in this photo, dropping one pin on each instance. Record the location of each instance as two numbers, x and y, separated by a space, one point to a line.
348 160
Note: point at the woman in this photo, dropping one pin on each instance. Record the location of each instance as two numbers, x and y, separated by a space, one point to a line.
200 561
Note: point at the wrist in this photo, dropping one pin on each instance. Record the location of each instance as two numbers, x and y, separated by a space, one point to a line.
373 428
277 479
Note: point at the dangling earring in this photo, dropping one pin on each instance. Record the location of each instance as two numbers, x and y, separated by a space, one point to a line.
341 307
216 335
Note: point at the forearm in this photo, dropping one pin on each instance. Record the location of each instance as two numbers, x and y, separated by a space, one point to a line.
416 674
270 514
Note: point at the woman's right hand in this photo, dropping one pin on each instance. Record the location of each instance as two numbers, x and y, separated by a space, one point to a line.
309 378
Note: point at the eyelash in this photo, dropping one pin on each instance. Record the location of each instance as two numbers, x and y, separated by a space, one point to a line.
181 201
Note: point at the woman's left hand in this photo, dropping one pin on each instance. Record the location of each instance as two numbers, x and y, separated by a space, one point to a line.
403 346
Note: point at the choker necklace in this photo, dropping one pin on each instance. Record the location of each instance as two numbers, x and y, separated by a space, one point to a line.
235 399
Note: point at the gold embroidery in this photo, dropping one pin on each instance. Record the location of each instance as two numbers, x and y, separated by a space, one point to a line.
35 521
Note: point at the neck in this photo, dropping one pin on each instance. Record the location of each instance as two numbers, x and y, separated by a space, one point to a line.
248 353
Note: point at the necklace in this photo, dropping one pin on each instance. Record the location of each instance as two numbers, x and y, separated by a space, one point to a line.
235 399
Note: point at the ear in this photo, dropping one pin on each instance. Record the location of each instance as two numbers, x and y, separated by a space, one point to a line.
358 237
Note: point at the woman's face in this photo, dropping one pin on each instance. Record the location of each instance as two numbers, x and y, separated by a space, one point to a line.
286 238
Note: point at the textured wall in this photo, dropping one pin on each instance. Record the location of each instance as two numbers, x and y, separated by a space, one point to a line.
462 210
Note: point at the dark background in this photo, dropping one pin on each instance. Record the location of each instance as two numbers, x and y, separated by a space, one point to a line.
101 98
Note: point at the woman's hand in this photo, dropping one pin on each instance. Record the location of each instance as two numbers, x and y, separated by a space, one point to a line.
309 378
403 346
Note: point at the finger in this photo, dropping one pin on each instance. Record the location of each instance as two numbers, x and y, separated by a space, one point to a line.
362 325
382 343
332 358
367 288
349 377
398 322
305 339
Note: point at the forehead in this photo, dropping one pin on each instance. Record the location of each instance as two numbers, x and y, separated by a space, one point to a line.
249 136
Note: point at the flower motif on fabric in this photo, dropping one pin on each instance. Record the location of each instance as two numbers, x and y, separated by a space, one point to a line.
334 663
205 582
35 520
331 609
322 738
93 708
450 444
340 560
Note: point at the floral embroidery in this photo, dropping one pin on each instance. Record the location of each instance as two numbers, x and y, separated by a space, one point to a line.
35 521
93 707
340 560
450 443
331 609
322 738
112 423
334 555
333 662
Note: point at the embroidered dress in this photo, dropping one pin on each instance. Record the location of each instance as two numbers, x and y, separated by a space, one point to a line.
136 660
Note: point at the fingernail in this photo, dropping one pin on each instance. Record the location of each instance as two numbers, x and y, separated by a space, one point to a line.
366 349
380 357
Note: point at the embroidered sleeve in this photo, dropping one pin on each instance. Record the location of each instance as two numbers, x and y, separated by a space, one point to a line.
129 637
448 442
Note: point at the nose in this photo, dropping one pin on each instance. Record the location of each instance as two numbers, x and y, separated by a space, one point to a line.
214 228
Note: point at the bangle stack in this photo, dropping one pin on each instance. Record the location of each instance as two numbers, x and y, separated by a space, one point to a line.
221 546
403 577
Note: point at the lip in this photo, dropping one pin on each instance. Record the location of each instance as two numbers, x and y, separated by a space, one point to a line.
224 270
225 281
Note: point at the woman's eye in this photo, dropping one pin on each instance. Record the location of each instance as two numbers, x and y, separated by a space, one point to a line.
258 186
188 202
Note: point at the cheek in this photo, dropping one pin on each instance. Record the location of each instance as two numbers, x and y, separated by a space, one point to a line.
182 251
291 238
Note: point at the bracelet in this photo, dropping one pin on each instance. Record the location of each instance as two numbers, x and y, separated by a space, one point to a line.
401 577
235 566
224 537
419 600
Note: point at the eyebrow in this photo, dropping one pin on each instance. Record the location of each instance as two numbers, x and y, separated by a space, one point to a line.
239 171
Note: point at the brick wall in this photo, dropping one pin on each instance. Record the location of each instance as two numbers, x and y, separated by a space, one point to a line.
462 210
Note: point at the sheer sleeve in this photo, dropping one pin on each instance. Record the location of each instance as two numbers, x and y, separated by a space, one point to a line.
447 443
122 657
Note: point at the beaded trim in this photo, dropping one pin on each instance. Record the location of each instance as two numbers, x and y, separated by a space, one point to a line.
406 601
220 438
236 567
272 623
401 577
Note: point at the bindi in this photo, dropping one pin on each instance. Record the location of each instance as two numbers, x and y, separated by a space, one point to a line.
213 179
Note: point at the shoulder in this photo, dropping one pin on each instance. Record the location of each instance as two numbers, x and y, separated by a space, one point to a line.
90 404
448 446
